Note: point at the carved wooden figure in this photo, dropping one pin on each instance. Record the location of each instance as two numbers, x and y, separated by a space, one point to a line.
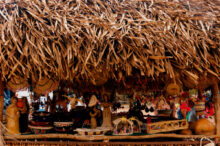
107 115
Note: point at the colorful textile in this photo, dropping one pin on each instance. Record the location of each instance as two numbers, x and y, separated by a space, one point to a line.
185 106
191 115
210 111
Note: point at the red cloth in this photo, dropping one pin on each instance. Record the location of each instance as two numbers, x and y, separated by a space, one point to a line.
148 120
185 106
210 111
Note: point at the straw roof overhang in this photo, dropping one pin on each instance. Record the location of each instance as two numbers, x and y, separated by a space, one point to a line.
68 39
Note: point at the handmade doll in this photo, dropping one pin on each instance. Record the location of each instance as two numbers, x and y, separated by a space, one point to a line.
162 104
107 122
176 109
12 117
93 115
184 107
95 112
24 111
191 115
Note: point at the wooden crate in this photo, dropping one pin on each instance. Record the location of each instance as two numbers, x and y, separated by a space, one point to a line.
167 126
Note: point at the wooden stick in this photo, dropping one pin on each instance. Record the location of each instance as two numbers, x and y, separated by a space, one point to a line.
103 137
215 92
133 143
1 98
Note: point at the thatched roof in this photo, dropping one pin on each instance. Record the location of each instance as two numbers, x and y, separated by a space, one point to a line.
69 39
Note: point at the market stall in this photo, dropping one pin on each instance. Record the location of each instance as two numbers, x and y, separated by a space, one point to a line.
143 116
114 70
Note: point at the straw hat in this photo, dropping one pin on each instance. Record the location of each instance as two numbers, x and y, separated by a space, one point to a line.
173 89
93 101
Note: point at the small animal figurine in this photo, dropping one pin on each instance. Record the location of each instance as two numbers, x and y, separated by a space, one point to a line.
73 101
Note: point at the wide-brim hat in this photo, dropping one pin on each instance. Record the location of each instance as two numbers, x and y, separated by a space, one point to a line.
93 101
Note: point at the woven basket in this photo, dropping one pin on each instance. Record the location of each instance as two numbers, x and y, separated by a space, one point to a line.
173 89
200 108
97 131
40 129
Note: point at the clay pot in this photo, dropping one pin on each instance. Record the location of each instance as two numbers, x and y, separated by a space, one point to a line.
204 127
192 125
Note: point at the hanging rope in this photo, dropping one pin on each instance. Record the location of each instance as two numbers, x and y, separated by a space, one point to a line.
209 144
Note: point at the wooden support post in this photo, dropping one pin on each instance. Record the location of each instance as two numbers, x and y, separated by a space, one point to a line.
215 92
1 98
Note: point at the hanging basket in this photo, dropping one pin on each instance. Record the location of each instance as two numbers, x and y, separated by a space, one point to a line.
173 89
99 78
46 85
17 84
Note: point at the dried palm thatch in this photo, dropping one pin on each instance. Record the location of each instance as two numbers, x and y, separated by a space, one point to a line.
70 39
